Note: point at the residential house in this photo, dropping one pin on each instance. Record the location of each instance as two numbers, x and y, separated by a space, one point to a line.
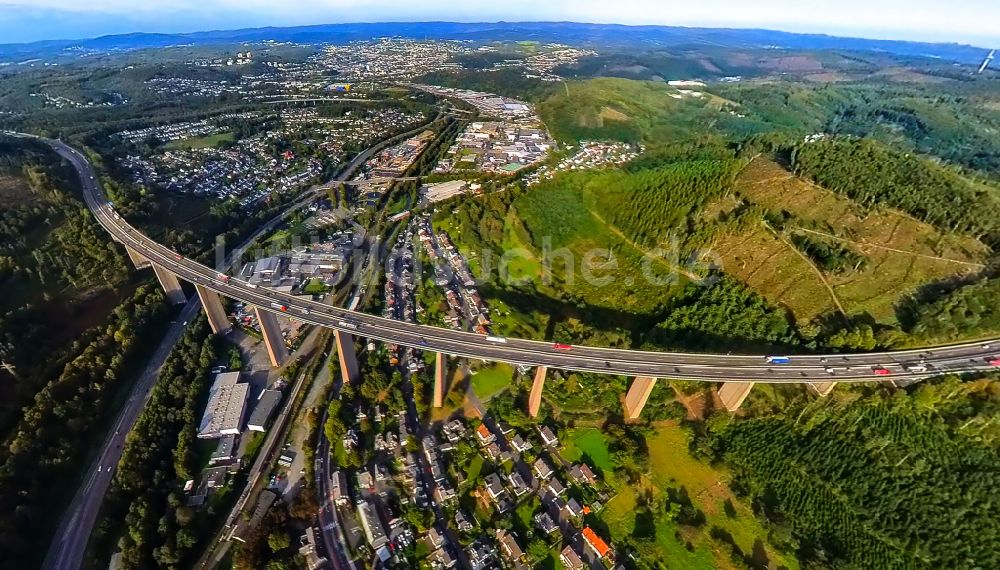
520 444
542 469
556 487
484 435
494 486
582 475
572 509
549 438
545 523
570 559
517 484
595 543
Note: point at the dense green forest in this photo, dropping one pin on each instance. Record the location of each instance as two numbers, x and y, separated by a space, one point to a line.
40 461
59 274
828 255
881 481
872 174
645 207
969 311
953 121
648 206
159 455
48 236
724 314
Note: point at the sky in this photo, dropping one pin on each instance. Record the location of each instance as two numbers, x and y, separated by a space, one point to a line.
975 22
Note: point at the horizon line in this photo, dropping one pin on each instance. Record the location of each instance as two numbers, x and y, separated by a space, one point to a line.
847 36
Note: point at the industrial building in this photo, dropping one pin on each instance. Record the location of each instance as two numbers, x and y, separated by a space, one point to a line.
371 524
227 404
262 412
225 452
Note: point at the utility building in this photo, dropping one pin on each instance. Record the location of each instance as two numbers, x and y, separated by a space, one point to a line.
262 412
227 404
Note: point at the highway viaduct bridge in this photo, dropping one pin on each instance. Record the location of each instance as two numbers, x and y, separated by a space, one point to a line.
737 373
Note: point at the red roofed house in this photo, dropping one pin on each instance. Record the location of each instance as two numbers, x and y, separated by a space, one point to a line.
595 542
484 434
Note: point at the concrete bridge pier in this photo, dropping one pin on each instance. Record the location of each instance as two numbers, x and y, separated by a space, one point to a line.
138 260
440 370
535 397
211 303
171 285
821 388
638 393
273 340
350 371
732 394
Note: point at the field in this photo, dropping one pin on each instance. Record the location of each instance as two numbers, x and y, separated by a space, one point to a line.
590 446
489 380
674 471
901 252
208 141
579 239
622 109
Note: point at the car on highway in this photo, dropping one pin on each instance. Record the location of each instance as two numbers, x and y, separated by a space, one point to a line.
497 339
348 325
995 361
916 368
279 306
224 278
880 371
562 346
829 370
777 359
178 257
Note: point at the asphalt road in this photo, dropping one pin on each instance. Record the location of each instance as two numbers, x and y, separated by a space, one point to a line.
70 542
70 539
908 364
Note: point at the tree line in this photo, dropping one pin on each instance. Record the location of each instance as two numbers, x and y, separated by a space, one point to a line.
872 174
886 480
45 452
159 529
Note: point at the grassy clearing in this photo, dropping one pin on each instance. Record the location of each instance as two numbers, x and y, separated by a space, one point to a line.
474 468
672 466
208 141
622 109
589 445
902 253
764 262
579 240
620 516
489 380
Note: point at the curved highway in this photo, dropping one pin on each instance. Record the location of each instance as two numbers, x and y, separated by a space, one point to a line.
868 367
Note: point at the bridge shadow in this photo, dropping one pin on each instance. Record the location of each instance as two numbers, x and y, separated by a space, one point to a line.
620 328
908 309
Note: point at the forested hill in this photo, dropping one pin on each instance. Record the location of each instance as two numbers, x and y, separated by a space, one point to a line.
872 174
613 35
886 481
